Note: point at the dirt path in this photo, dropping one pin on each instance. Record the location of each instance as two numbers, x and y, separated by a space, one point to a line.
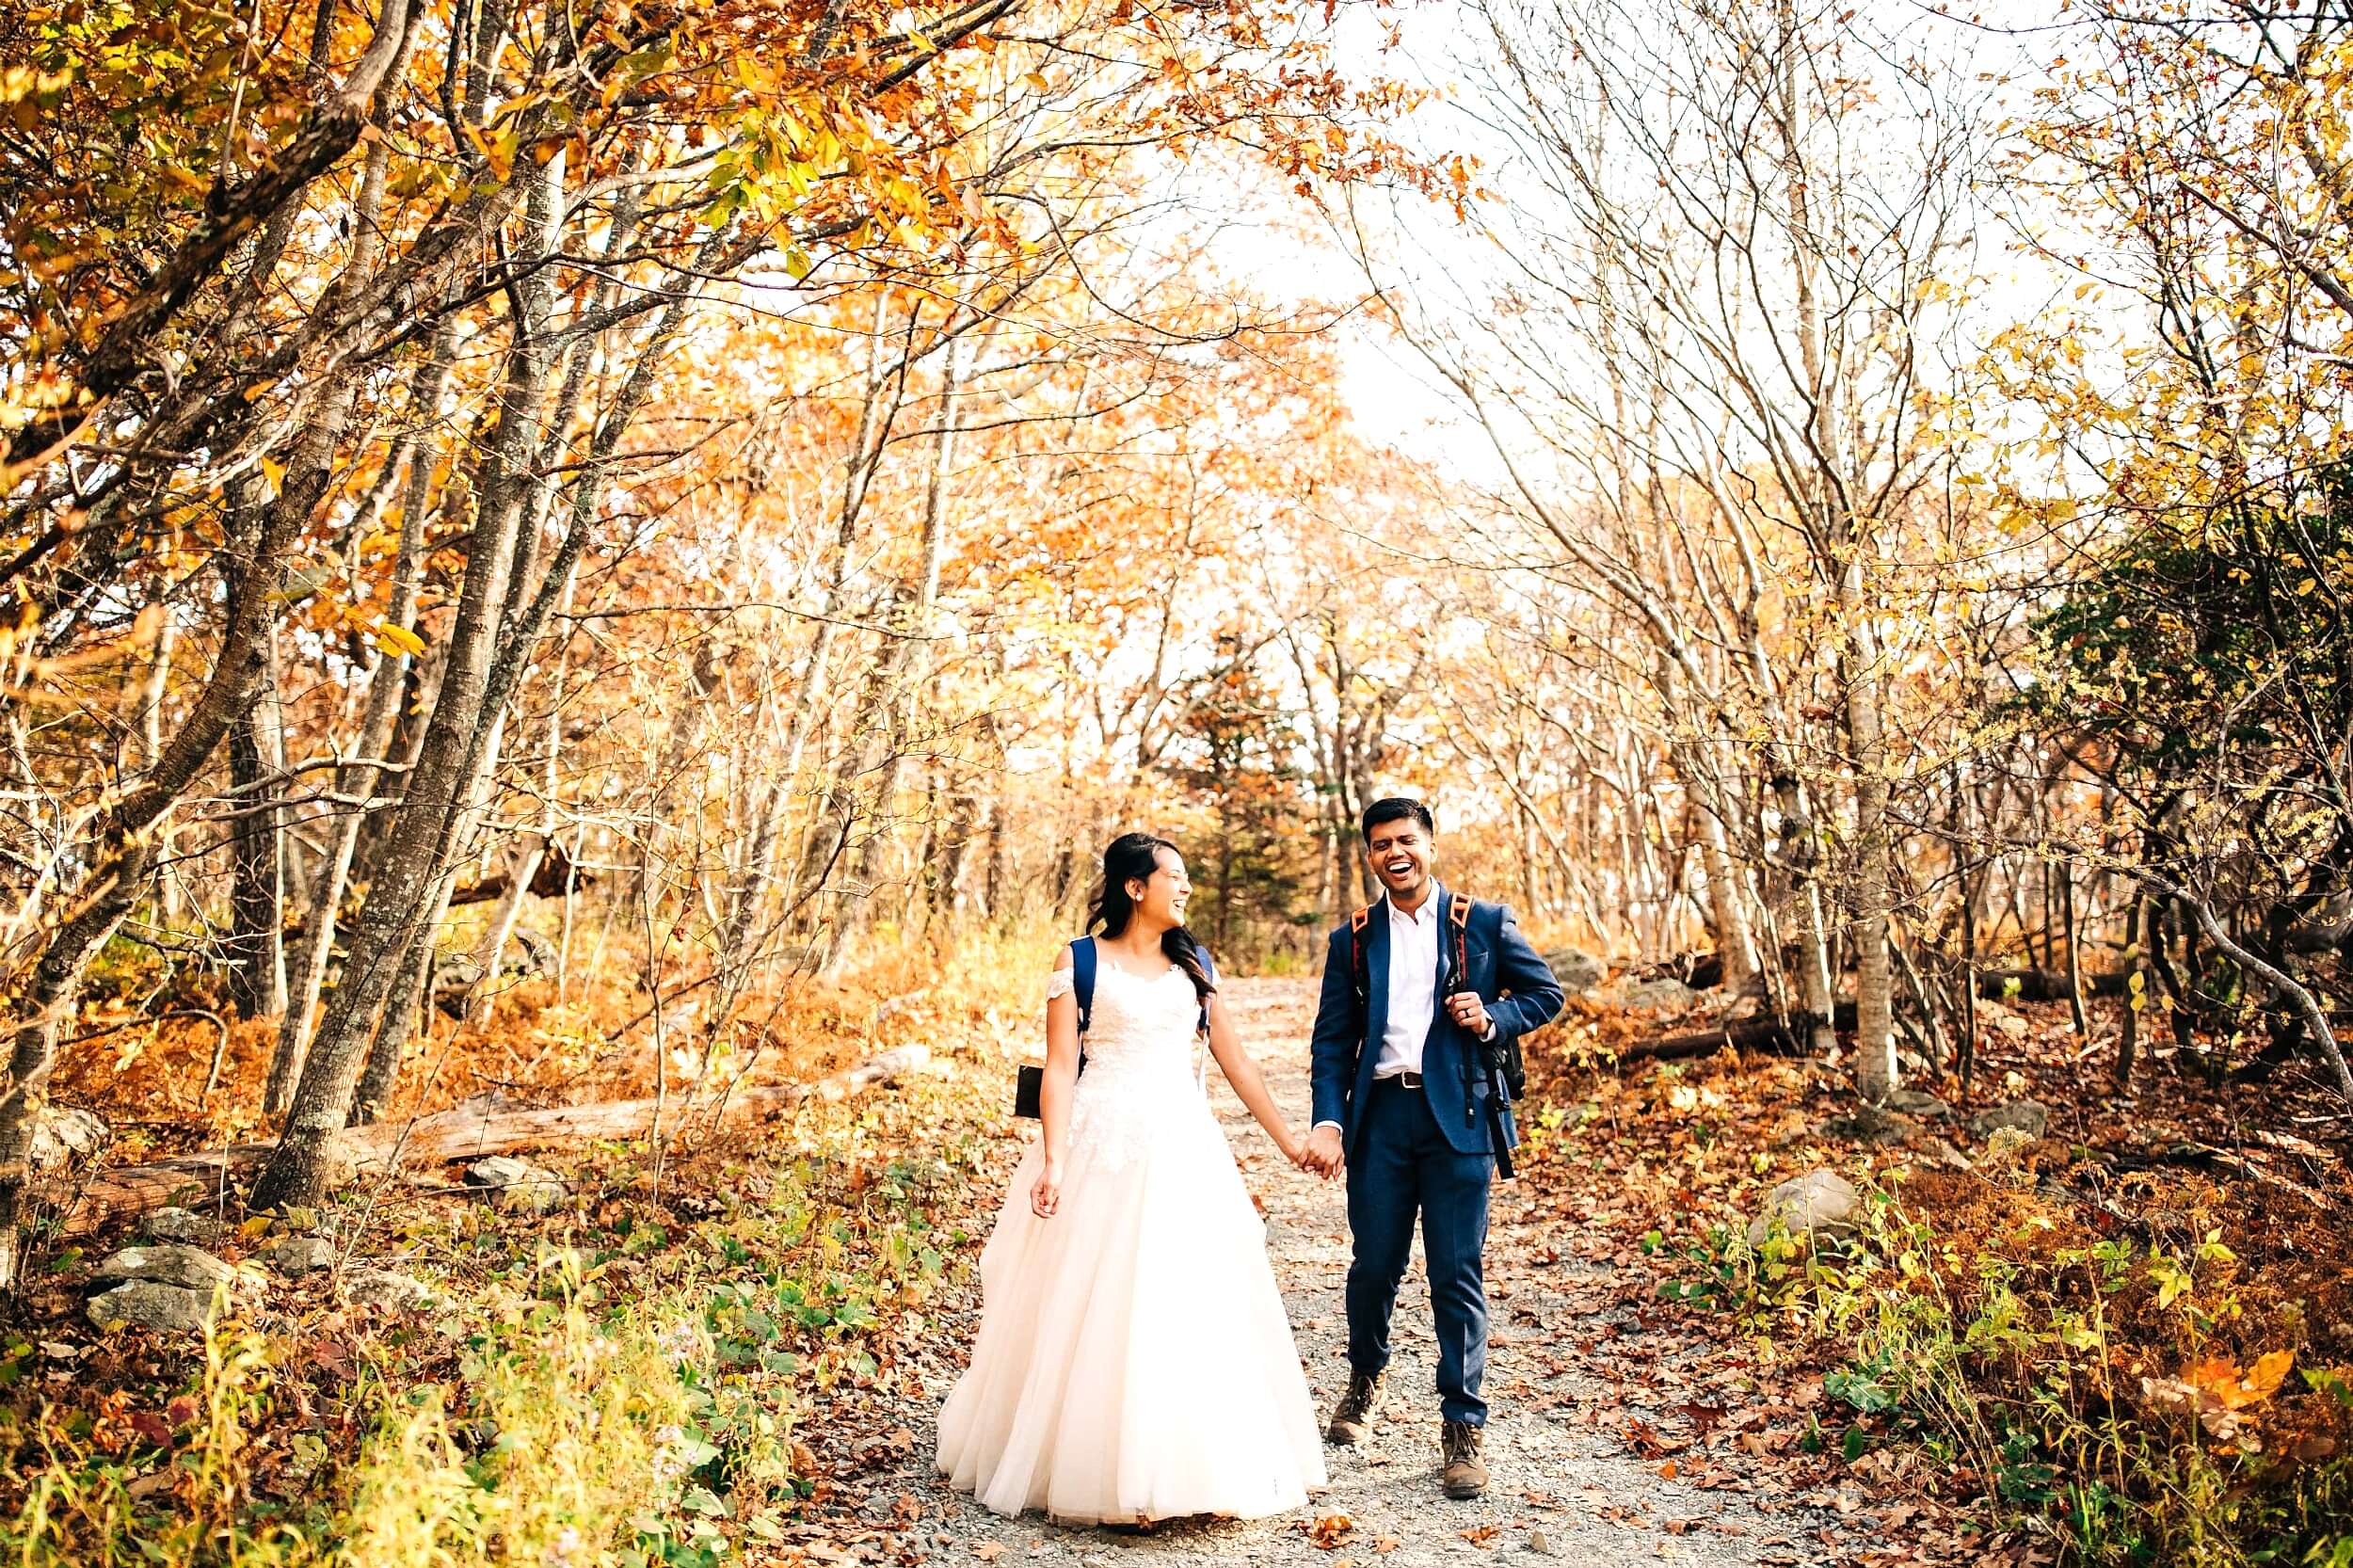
1564 1381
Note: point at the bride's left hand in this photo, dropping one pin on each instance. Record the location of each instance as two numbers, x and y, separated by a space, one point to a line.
1046 1193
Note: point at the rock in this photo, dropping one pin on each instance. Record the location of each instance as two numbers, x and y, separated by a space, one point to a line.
2003 1148
1992 1013
1872 1125
1819 1202
1914 1102
1539 1543
1664 996
147 1304
180 1224
189 1268
517 1186
383 1287
2028 1116
297 1255
65 1132
1576 969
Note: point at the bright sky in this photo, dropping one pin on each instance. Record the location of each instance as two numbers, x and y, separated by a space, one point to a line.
1449 269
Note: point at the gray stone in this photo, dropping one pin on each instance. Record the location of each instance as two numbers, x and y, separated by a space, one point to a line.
2028 1116
1662 995
1821 1202
189 1268
497 1171
297 1255
66 1132
382 1288
1915 1102
517 1187
1576 969
180 1224
145 1303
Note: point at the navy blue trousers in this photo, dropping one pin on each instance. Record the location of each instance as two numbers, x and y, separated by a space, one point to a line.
1401 1167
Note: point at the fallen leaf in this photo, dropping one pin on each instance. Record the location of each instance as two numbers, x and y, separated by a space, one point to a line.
1330 1530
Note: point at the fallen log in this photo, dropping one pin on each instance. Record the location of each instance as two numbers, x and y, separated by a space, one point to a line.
2045 985
1767 1034
472 1130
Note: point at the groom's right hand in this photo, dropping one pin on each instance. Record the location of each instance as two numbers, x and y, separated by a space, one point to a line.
1322 1153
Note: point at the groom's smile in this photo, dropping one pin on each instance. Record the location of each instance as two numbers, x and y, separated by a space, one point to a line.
1400 853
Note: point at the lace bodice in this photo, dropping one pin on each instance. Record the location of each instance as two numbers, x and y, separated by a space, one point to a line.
1144 1059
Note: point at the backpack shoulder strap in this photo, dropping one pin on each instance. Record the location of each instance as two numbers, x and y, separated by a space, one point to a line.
1356 925
1082 980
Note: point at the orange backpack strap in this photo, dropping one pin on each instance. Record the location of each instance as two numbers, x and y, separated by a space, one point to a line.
1457 914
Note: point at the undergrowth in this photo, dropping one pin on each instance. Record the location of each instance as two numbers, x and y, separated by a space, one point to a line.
2117 1394
616 1385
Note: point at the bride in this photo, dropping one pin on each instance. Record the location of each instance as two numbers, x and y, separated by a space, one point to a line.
1134 1362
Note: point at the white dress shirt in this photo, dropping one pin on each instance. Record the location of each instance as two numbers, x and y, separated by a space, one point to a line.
1413 987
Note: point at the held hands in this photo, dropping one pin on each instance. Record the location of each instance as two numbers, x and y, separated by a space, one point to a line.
1321 1153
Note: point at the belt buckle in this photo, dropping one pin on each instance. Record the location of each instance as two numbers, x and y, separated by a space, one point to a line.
1409 1080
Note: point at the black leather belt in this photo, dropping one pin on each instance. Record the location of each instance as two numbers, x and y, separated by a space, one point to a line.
1402 1080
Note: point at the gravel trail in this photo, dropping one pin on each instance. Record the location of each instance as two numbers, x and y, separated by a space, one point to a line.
1561 1386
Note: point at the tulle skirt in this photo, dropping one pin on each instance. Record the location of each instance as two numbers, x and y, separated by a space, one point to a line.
1133 1360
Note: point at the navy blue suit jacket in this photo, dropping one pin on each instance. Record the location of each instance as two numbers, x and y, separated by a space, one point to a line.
1510 977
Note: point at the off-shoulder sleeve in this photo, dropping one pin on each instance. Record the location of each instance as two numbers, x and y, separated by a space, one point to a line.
1059 983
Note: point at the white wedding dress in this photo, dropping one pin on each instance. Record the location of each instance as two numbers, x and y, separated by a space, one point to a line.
1133 1361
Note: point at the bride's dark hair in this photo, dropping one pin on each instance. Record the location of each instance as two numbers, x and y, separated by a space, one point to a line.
1134 857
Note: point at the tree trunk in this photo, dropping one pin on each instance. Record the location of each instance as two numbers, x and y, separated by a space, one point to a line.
908 649
400 897
255 949
485 681
2136 991
1876 1073
2066 932
123 856
378 726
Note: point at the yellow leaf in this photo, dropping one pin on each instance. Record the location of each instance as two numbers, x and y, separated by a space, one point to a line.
398 639
2270 1369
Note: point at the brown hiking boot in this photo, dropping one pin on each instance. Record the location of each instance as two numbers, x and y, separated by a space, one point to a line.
1352 1420
1465 1476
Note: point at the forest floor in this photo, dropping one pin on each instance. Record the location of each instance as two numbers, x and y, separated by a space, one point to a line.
1578 1357
2125 1338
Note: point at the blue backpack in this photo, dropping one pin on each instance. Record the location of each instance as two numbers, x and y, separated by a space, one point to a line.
1028 1081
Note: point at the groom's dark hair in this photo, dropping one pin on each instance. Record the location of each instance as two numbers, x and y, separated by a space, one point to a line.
1398 808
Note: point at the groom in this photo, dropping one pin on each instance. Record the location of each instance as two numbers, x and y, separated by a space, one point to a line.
1407 1103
